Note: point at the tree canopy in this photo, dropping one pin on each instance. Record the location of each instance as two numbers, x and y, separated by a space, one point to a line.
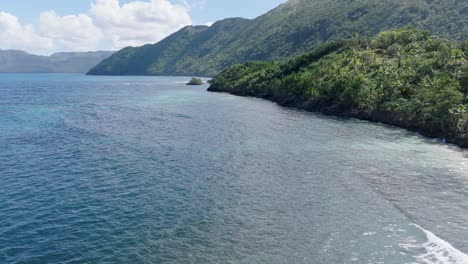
288 30
195 81
404 77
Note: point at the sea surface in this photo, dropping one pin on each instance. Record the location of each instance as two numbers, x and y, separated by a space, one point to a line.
149 170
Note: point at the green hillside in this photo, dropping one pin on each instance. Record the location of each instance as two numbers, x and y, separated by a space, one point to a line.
290 29
405 77
17 61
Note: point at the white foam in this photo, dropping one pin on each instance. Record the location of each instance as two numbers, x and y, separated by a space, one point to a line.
144 84
439 251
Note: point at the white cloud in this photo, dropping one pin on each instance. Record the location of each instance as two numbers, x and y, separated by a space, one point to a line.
107 25
13 35
73 32
138 23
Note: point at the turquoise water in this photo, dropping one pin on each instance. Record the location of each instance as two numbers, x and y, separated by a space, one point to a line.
148 170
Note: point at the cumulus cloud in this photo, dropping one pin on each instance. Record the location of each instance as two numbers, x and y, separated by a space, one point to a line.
73 32
106 25
14 35
137 23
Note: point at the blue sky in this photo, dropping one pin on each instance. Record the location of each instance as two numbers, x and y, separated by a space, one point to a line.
49 26
202 11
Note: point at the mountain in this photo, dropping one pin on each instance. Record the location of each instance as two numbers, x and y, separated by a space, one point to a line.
405 77
15 61
290 29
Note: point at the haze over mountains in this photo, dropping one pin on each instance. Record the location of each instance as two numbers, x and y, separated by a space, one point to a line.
290 29
16 61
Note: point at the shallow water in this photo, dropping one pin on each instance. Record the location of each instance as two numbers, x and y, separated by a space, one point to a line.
148 170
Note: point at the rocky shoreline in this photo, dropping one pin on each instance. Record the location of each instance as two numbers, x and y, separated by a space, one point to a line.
376 116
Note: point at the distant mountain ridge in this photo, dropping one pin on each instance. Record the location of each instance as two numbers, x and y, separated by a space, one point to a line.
292 28
17 61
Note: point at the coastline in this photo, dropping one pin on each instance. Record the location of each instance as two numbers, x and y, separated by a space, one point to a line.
377 117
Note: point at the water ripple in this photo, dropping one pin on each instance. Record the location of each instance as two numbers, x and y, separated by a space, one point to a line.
147 170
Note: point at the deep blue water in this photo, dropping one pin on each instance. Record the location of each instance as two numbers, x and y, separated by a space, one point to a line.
148 170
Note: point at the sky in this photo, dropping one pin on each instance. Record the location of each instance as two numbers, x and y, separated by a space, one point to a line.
48 26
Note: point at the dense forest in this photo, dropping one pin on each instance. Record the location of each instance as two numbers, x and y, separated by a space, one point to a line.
403 77
288 30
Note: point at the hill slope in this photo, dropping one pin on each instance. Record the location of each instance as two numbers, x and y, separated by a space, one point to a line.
15 61
401 77
290 29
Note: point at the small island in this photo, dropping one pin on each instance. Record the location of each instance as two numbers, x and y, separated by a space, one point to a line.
195 81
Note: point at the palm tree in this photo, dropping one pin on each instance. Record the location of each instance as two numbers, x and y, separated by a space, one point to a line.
464 79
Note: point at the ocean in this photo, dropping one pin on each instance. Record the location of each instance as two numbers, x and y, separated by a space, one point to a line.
149 170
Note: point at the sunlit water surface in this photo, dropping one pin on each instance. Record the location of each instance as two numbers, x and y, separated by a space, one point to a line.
148 170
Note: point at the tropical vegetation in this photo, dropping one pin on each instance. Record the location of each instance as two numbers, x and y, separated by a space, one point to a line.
404 77
294 27
195 81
